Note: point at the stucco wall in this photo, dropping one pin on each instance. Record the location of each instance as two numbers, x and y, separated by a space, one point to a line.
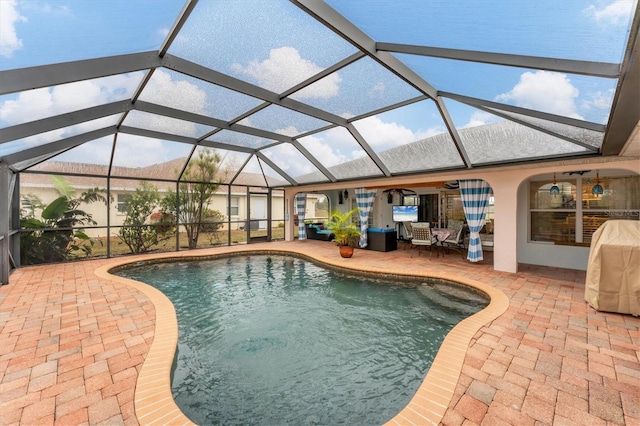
511 245
98 210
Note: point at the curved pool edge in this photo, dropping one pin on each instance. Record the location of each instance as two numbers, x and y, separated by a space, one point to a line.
153 400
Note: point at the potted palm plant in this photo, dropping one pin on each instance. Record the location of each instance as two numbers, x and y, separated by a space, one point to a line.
346 233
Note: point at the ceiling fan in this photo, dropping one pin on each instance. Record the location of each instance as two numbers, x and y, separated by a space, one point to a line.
401 191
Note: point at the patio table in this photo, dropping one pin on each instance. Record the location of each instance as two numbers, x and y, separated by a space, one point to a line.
441 234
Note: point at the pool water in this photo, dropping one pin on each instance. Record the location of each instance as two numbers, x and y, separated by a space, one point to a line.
275 340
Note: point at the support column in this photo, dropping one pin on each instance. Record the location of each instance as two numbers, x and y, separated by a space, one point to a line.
5 206
505 241
289 214
14 224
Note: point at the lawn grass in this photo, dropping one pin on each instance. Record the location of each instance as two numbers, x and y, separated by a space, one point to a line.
210 239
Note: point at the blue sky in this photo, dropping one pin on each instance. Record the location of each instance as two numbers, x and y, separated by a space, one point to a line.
276 45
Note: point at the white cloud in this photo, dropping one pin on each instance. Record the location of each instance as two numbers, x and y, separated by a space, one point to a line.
183 95
232 160
337 146
284 69
546 91
138 151
131 151
55 10
331 147
616 13
377 91
358 154
94 152
9 16
50 101
288 131
164 32
161 123
480 118
246 122
288 159
598 105
381 135
599 100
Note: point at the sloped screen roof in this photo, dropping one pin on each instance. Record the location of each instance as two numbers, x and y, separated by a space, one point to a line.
306 91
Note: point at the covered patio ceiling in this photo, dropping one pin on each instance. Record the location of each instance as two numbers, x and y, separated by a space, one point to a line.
307 91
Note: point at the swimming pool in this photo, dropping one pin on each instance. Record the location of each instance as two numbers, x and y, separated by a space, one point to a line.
276 339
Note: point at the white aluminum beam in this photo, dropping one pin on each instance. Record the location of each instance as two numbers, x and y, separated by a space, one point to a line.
198 71
157 135
227 147
389 108
60 145
177 26
44 125
31 162
593 69
453 131
625 113
475 102
370 152
539 129
314 161
182 139
209 121
325 72
343 27
5 210
240 170
21 79
275 167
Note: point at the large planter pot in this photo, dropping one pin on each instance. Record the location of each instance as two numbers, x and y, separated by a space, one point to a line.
346 251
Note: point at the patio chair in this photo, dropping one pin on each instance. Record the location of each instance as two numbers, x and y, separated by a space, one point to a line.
422 237
408 232
455 224
456 242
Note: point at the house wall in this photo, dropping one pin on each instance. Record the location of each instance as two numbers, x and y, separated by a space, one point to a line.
511 209
99 212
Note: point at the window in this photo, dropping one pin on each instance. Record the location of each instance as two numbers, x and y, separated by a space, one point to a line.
452 206
234 209
452 209
553 216
321 207
620 200
574 213
409 200
121 201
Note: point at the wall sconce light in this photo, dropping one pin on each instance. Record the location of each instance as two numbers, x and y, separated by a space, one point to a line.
390 197
346 194
597 189
554 190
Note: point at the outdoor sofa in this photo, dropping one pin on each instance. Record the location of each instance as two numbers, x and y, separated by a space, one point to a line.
316 231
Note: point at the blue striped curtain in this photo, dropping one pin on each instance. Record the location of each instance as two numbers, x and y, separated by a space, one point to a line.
475 199
301 207
364 201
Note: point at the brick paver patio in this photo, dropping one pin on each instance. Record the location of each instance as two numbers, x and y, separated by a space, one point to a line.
72 345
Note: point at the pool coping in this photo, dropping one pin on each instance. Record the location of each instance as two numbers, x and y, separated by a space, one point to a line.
154 403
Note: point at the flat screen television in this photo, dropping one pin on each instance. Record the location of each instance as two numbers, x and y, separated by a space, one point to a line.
405 213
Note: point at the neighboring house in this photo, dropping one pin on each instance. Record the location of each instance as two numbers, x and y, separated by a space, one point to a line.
233 204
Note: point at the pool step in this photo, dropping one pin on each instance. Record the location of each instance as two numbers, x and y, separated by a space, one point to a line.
451 298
